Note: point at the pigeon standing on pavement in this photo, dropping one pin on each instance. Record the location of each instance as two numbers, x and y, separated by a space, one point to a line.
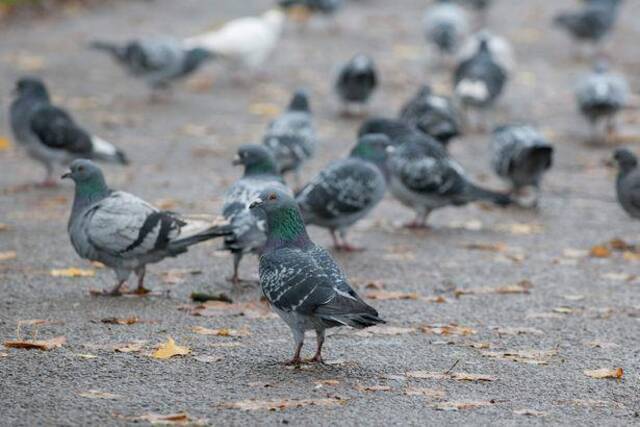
356 82
478 82
245 42
501 50
521 155
628 182
432 115
591 23
424 178
158 61
124 232
301 280
248 231
445 25
347 190
49 133
600 96
396 130
292 137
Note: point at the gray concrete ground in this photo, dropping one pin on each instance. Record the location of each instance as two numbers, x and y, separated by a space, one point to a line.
584 311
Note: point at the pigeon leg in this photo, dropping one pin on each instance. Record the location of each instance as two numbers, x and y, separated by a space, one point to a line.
298 337
420 221
115 292
320 339
346 246
141 290
235 279
49 180
336 242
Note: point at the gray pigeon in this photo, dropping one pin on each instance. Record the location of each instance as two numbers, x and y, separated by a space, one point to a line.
628 182
49 133
291 136
124 232
479 80
397 131
301 281
424 178
600 96
592 23
433 115
347 190
356 82
260 172
445 25
158 61
521 155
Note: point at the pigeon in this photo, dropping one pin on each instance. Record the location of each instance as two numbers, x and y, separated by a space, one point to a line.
479 80
445 25
246 42
347 190
260 172
158 61
424 178
397 131
291 136
433 115
124 232
600 95
49 133
500 48
628 182
302 282
356 82
521 155
591 23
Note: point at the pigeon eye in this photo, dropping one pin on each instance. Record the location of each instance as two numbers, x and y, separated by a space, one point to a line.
273 196
80 168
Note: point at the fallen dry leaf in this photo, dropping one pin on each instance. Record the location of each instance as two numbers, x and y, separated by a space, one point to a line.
563 310
456 406
604 373
86 356
130 347
72 272
251 310
275 405
264 109
599 251
37 344
521 287
4 143
373 388
222 332
121 321
391 295
425 392
7 255
179 418
3 227
533 357
530 413
169 350
448 330
177 276
521 229
97 394
518 331
490 247
457 376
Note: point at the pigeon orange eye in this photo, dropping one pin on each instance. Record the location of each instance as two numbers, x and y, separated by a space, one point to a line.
272 196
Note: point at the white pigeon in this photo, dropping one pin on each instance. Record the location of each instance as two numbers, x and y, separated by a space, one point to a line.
246 41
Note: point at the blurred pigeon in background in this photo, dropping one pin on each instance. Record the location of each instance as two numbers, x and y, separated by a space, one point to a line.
431 114
500 48
396 130
248 231
600 95
347 190
424 178
481 7
124 232
445 25
478 82
158 61
247 42
301 281
291 136
49 133
628 181
356 81
521 156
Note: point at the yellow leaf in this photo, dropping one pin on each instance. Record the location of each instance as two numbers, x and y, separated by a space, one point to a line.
4 143
37 344
264 109
170 349
7 255
72 272
600 251
222 332
603 373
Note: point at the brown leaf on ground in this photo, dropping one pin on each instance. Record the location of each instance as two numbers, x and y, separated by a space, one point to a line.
600 251
448 330
521 287
7 255
375 284
457 376
489 247
179 418
121 321
384 330
72 272
4 143
37 344
222 332
604 373
372 388
518 331
97 394
129 347
456 406
432 393
170 349
3 227
281 405
533 357
177 276
530 413
392 295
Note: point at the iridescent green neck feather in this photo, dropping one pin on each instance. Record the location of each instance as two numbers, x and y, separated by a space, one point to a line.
286 228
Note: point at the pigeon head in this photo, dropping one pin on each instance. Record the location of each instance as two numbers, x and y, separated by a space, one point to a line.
90 184
300 101
372 147
285 226
31 86
256 159
626 159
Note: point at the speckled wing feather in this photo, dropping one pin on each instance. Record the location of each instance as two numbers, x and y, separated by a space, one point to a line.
291 137
55 128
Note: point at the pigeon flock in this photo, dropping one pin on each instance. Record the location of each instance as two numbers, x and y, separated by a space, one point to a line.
406 153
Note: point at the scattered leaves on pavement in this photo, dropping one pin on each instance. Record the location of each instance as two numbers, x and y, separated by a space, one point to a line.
518 331
531 356
7 255
4 143
448 330
170 349
72 272
177 276
280 405
457 376
222 332
521 287
129 347
179 418
456 406
264 109
604 373
37 344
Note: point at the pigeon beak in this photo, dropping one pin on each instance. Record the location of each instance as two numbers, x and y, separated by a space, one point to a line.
256 203
66 175
236 160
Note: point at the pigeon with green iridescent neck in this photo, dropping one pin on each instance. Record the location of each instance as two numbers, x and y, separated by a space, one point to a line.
260 172
124 232
301 280
347 190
